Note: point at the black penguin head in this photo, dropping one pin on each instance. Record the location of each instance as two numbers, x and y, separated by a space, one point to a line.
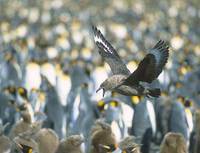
26 149
22 92
188 103
10 90
101 105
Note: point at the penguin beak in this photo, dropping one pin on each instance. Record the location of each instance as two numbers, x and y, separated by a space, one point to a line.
104 146
100 89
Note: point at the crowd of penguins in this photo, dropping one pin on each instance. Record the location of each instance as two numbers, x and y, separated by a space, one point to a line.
40 120
50 70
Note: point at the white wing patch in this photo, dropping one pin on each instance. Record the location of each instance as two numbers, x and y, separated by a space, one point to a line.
99 40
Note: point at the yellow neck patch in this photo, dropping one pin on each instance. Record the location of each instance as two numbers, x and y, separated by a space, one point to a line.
30 150
135 100
21 90
114 103
101 103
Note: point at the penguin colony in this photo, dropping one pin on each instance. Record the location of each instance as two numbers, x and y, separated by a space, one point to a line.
39 125
53 69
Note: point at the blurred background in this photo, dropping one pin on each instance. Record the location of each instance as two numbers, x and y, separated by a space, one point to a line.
49 61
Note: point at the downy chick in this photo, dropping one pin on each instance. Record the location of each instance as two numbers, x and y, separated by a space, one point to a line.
72 144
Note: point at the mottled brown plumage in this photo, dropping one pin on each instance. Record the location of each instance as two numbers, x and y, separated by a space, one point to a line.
22 125
47 140
25 141
102 138
72 144
25 144
173 143
128 145
5 144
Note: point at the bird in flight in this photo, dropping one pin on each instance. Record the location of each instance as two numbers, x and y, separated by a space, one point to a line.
123 81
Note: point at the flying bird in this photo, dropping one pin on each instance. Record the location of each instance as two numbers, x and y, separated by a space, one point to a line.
122 80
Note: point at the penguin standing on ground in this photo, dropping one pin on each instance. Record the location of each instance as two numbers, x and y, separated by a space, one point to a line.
75 99
7 112
144 124
86 118
10 72
163 108
177 120
53 108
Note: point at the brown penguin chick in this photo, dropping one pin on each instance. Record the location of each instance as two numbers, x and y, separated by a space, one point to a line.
47 140
128 145
72 144
25 141
5 142
102 138
21 126
98 125
24 145
173 143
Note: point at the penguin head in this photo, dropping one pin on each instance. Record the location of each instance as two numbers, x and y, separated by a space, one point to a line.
101 105
26 149
188 103
8 56
112 111
22 92
24 144
75 140
84 85
102 137
181 99
10 90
